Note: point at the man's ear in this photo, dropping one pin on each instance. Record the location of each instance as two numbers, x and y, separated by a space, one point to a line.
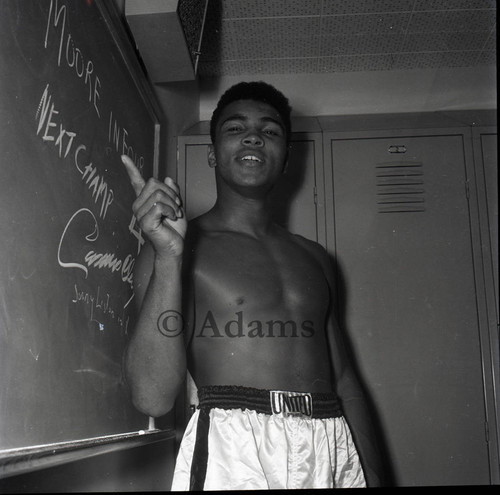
212 162
285 164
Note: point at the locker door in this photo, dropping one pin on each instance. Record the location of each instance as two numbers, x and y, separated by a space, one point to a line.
295 199
402 241
196 179
486 167
486 155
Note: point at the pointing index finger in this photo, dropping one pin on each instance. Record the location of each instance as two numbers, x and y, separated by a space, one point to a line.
135 176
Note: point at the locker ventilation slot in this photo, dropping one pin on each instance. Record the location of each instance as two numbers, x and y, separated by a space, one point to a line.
400 187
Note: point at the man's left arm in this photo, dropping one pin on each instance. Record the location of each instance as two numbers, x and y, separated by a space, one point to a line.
355 409
353 399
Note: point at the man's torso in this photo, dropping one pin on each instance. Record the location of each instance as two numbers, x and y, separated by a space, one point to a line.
260 309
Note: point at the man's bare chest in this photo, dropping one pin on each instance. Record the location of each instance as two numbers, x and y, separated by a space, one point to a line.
237 271
259 305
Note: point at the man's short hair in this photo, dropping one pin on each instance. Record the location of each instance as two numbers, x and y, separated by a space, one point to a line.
257 91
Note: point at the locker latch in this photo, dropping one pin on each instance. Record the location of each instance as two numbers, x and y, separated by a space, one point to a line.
397 149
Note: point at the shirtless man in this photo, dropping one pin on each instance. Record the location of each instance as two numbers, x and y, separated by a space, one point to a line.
246 306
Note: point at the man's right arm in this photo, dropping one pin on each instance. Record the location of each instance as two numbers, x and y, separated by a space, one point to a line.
155 360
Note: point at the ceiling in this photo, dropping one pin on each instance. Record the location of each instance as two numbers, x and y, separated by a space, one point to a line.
322 36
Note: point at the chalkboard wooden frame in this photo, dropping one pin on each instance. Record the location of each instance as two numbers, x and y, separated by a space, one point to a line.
21 460
122 38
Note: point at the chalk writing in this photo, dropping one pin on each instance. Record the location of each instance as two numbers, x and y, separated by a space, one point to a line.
83 226
92 236
46 114
93 259
73 56
101 307
111 262
118 137
95 182
136 232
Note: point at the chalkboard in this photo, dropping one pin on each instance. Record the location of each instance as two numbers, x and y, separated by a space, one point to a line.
72 100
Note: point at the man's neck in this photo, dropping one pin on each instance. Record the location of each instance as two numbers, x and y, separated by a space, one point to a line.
242 213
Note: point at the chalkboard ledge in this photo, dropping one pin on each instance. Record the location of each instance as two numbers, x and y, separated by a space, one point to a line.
19 461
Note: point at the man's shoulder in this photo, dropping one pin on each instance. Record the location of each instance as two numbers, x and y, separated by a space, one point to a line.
203 234
316 251
313 247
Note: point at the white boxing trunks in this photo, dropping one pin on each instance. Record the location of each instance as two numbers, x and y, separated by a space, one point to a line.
242 438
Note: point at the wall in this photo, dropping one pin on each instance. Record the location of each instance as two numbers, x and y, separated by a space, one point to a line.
419 90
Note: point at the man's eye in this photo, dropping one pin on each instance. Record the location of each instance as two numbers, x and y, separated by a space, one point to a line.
271 132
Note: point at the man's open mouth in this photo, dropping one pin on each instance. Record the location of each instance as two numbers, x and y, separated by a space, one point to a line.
251 159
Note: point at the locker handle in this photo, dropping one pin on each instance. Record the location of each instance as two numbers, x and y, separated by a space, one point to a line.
397 149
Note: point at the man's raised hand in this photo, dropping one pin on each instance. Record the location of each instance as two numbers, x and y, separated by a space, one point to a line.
158 209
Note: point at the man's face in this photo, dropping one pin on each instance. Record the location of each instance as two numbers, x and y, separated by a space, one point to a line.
250 148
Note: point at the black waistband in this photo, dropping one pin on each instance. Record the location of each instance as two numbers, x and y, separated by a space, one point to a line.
324 405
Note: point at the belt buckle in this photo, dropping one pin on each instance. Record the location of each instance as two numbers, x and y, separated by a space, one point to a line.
291 403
